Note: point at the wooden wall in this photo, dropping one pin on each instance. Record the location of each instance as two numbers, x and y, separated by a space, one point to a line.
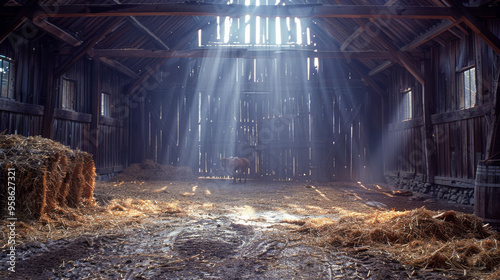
459 136
291 121
23 113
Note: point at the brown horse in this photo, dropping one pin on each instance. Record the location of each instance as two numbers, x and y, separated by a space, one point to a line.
234 164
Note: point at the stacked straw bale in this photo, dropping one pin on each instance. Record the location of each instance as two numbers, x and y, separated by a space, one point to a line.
48 175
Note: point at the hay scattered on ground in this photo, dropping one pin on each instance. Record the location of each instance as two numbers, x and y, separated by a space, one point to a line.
152 171
420 238
94 220
47 175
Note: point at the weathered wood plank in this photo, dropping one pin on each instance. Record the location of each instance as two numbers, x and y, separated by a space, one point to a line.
72 116
22 108
56 32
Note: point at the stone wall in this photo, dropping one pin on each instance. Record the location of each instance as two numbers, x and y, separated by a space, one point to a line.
455 191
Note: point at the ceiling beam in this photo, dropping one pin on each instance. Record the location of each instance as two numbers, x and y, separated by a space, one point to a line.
185 37
419 40
299 10
239 53
56 32
86 46
403 58
144 29
360 29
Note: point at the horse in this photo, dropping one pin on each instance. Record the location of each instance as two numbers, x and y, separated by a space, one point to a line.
234 164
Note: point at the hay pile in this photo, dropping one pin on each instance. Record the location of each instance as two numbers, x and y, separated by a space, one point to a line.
419 238
152 171
48 175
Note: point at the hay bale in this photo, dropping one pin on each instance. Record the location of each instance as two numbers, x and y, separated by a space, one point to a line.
48 175
151 171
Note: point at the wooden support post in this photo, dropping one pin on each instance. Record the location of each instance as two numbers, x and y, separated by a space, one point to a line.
493 142
50 100
429 143
95 108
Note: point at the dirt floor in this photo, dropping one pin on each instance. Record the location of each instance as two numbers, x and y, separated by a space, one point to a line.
214 229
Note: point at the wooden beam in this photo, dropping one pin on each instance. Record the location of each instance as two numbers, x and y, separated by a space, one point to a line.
368 81
403 58
56 32
21 108
430 34
419 40
22 14
427 101
118 66
144 29
185 38
493 137
299 10
360 29
95 109
479 28
238 53
50 100
384 65
85 47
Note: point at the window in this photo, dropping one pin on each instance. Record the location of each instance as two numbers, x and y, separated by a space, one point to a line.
466 88
406 105
6 77
254 31
105 105
68 94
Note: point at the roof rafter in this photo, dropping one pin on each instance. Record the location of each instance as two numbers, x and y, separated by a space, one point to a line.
360 29
20 17
144 29
479 28
56 32
185 38
403 58
118 66
421 39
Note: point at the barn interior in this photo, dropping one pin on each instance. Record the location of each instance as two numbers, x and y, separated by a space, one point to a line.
379 115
